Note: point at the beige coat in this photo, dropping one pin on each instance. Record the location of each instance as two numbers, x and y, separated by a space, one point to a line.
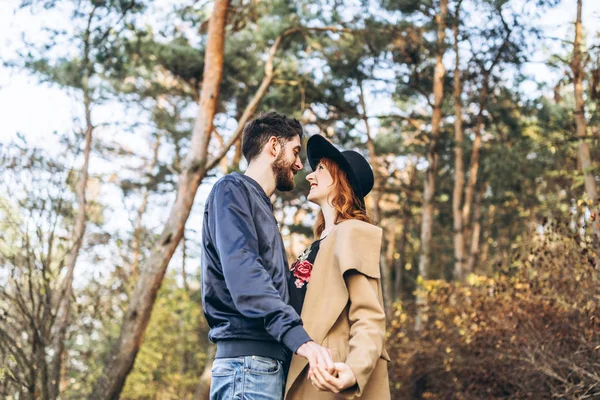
343 311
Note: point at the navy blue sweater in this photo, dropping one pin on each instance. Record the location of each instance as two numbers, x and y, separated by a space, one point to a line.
245 274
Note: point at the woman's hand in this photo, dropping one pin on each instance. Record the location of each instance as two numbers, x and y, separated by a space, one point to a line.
342 378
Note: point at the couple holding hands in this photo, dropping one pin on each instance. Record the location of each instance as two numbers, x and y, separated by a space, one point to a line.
315 329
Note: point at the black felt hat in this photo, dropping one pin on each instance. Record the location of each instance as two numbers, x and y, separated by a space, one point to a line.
353 163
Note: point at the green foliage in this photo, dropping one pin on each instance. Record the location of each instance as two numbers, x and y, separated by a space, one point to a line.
173 354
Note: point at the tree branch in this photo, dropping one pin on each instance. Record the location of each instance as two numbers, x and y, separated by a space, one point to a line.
264 86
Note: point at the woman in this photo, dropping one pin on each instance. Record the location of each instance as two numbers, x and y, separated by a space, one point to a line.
335 284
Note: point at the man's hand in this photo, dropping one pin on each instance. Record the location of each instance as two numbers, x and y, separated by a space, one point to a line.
316 355
341 379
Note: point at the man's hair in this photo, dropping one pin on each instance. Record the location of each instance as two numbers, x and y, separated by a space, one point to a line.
258 131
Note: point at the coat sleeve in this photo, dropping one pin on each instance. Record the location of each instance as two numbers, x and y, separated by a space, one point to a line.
358 248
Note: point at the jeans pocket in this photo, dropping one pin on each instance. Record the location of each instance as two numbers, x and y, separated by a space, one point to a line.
263 365
225 366
263 379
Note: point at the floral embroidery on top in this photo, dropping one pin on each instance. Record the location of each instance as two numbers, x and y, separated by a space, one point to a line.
302 269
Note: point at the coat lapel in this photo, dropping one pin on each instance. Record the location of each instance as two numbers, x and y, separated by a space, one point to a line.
326 298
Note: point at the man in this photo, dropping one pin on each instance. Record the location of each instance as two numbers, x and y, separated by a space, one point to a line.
244 269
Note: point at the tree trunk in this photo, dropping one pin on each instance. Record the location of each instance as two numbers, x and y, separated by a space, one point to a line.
459 166
476 234
223 163
123 354
585 159
184 277
376 195
432 160
400 263
66 294
39 352
388 287
377 187
485 245
237 156
203 387
475 152
432 152
406 214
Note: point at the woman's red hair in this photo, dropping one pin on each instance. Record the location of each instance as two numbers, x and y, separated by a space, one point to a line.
344 200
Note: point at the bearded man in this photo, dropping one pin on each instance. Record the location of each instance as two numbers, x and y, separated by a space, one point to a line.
245 295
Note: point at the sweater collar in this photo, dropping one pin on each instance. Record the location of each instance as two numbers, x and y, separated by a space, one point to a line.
256 185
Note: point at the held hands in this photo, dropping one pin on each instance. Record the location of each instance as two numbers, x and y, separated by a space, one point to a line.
323 372
341 379
317 356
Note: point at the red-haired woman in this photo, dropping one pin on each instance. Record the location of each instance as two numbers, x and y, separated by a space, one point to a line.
335 285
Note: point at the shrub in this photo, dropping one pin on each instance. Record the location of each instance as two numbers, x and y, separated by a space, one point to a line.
530 332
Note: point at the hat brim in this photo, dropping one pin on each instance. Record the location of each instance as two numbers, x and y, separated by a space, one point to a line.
318 148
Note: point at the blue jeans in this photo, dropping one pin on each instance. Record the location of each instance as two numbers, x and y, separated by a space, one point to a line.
247 378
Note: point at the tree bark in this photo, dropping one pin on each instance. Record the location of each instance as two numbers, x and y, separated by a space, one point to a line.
184 277
376 195
406 214
459 165
66 294
585 159
203 388
123 354
223 162
388 287
432 161
476 151
377 187
237 156
432 152
476 234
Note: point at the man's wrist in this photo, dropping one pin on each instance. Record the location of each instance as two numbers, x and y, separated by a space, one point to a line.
295 337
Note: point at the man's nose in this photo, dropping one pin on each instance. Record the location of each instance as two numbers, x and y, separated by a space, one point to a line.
299 165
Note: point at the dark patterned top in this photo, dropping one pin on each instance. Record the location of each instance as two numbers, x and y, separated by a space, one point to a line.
301 271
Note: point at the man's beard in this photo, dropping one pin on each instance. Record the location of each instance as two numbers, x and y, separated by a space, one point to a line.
284 180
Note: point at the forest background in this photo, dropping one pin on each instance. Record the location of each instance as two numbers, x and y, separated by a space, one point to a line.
480 118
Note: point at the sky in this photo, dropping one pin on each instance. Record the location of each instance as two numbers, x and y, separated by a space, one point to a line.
35 110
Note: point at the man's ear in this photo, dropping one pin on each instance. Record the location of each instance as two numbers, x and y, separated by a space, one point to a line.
273 146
